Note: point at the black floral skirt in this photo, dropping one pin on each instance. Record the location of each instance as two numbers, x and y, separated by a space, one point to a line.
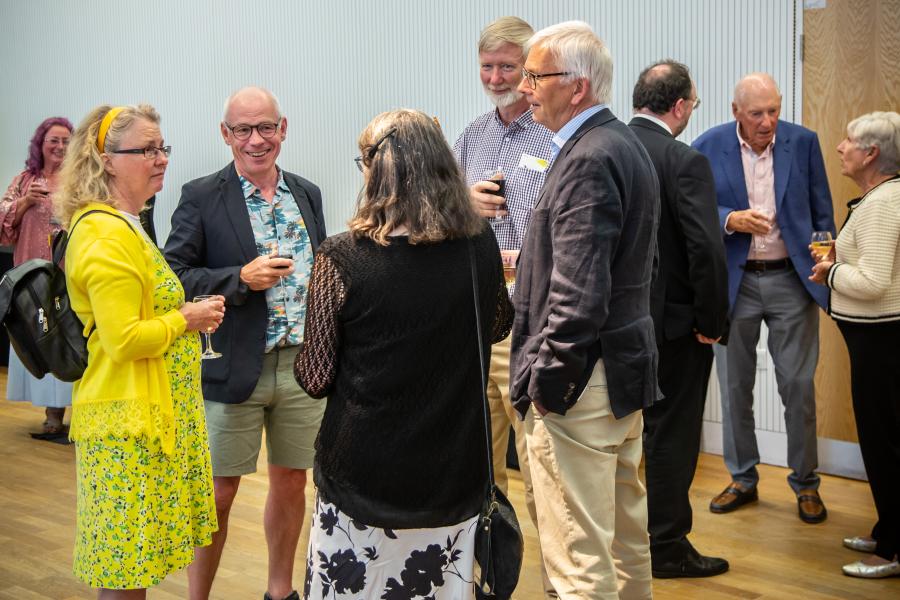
351 560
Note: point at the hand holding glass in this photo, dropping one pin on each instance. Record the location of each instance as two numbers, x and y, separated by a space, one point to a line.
496 176
822 243
209 352
760 240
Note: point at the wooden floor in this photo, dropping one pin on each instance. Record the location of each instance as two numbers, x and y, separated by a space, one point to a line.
772 553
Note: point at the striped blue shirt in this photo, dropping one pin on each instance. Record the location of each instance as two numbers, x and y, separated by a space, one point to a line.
568 130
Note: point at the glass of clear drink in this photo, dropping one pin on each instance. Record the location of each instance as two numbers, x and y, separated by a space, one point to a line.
208 353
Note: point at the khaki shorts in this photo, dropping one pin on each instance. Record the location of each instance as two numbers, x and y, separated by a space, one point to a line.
290 417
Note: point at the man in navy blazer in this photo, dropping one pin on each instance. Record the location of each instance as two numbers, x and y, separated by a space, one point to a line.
772 194
248 232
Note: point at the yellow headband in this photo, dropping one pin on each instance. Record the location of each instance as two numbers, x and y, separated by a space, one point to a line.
104 127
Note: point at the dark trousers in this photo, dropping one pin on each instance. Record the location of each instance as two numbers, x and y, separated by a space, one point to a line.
672 444
875 385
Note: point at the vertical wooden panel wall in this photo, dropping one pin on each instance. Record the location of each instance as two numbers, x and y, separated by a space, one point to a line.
851 66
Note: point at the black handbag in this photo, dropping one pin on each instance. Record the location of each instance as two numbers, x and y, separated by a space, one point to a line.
498 540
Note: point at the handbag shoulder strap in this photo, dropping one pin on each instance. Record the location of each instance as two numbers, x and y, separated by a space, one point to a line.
61 239
481 364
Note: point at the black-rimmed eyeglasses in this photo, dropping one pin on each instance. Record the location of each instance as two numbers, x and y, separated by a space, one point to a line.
150 152
243 131
373 149
533 78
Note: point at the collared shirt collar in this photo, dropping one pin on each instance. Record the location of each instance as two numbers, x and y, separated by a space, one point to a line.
657 120
743 143
523 121
249 189
568 130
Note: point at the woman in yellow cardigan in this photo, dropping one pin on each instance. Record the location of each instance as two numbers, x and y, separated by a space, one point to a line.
145 496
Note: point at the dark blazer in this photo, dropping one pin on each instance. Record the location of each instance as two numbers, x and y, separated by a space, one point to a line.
802 198
690 291
211 239
583 280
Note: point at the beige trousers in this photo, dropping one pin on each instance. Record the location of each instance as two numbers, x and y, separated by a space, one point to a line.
591 504
502 416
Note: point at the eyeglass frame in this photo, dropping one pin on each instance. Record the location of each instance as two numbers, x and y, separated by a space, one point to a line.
150 152
373 150
534 78
231 128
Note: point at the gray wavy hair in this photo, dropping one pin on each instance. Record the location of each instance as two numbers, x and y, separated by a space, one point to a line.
880 129
580 52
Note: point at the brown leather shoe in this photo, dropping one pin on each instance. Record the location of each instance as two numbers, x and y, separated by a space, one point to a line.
732 498
811 507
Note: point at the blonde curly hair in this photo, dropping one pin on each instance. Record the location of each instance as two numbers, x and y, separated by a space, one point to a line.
82 178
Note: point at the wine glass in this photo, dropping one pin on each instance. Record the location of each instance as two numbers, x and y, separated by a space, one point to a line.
761 241
209 352
822 243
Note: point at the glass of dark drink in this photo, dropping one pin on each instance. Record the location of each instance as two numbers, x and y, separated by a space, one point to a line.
497 176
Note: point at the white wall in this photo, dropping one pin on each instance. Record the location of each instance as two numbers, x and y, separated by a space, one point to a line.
336 64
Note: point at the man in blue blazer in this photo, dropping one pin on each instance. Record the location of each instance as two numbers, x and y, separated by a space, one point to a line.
772 194
248 232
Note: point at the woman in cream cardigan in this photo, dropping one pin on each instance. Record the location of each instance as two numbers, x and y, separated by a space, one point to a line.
863 272
145 496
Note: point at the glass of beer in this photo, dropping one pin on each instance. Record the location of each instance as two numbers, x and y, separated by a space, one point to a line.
509 258
496 176
822 243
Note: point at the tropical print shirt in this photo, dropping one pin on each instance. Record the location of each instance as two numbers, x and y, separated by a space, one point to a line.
278 228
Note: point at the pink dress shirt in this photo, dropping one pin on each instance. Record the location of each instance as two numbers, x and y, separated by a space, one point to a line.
31 236
759 175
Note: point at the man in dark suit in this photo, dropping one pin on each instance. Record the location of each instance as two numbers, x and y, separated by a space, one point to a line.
583 350
772 194
249 233
689 305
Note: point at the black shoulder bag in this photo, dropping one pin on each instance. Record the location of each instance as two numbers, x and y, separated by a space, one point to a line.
498 540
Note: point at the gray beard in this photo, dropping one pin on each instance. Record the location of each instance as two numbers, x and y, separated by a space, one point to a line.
503 100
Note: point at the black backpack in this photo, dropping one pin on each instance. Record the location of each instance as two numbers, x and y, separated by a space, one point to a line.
44 331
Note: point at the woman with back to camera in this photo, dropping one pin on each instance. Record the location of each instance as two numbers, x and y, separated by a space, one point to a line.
144 480
27 222
401 463
863 272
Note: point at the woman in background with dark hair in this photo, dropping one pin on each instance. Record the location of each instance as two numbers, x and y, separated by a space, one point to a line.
26 222
401 459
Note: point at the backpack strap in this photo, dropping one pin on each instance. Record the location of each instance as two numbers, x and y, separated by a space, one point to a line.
61 239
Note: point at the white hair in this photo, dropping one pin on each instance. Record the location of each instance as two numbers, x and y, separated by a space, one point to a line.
248 88
880 130
579 52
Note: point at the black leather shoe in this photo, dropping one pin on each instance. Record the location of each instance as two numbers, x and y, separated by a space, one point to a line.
690 566
292 596
732 498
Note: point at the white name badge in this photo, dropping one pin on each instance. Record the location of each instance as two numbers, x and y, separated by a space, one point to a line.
534 163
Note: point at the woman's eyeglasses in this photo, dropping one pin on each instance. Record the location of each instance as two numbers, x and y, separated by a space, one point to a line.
150 152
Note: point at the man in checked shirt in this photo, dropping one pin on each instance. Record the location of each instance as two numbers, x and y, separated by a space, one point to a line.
505 139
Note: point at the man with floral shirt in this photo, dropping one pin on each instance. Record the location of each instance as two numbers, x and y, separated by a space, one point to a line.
249 233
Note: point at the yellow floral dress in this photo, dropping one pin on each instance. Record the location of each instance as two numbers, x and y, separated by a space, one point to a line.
141 512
